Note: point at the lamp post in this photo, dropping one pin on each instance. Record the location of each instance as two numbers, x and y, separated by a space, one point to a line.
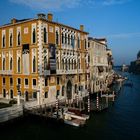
18 95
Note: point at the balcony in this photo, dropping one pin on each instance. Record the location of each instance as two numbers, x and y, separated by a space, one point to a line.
80 70
60 71
6 72
46 72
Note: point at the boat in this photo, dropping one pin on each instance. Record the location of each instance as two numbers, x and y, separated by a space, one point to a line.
77 113
73 121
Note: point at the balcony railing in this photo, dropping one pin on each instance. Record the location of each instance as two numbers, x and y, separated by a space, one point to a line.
6 72
46 72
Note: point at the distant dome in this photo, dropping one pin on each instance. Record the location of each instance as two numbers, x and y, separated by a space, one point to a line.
138 55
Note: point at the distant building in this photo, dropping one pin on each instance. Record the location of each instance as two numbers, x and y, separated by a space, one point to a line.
135 65
100 62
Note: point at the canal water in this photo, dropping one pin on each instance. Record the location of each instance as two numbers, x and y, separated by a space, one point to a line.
120 122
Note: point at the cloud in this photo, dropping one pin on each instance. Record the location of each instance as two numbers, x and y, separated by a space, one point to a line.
124 35
114 2
61 4
48 4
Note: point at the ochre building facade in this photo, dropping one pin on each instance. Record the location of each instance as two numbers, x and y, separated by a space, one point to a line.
43 56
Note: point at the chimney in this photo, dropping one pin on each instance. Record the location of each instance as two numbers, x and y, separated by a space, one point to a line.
13 21
82 27
41 16
50 16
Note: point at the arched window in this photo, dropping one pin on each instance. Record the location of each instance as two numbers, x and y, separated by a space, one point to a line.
34 64
72 41
63 64
18 38
57 37
62 38
78 42
65 38
68 39
34 35
85 44
45 63
45 35
69 65
3 41
46 94
11 38
63 90
11 63
19 64
3 63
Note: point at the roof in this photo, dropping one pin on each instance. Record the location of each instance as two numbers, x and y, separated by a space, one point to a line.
30 19
97 40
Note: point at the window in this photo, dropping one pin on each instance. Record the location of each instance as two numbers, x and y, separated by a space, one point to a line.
78 42
34 64
11 39
45 63
88 44
68 39
57 38
3 41
79 78
34 82
57 80
65 38
46 94
19 64
4 81
34 95
11 63
34 35
46 81
72 41
26 82
85 44
58 92
19 37
45 35
75 88
63 90
62 38
4 63
19 81
11 81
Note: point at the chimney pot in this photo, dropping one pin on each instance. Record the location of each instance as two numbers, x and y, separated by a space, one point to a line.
82 27
13 21
50 16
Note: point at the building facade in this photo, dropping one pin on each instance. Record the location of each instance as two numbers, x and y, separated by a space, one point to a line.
43 56
98 62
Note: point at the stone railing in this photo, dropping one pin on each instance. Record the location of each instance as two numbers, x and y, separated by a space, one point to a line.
6 72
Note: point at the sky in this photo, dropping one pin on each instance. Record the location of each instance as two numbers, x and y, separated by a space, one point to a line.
116 20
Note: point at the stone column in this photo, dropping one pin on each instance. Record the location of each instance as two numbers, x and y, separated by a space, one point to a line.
38 98
18 98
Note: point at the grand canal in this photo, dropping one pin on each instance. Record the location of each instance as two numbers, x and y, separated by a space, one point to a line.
120 122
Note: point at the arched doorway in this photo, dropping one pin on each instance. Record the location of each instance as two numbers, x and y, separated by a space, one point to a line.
69 90
11 93
4 93
26 96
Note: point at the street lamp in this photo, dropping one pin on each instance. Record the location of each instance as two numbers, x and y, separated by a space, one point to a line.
18 95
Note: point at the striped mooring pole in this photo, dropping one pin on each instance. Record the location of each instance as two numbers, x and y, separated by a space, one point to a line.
97 101
77 99
56 103
88 102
